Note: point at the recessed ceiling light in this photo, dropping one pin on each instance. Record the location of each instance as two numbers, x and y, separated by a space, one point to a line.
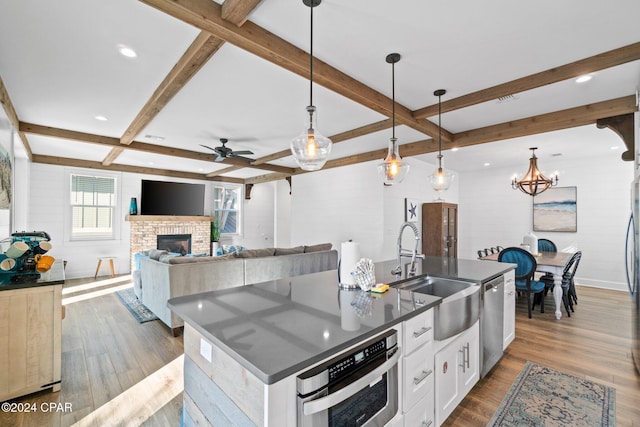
127 51
615 147
454 149
583 79
487 164
101 118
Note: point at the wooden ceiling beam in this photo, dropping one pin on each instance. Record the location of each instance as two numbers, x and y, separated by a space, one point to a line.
572 117
207 16
63 161
237 11
223 171
7 105
31 128
592 64
337 138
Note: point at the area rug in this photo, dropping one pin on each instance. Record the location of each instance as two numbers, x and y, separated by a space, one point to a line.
141 313
542 396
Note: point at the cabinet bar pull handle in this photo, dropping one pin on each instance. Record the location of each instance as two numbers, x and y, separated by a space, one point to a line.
462 365
422 377
468 358
422 331
427 423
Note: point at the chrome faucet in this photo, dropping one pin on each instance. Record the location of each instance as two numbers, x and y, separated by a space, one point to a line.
406 253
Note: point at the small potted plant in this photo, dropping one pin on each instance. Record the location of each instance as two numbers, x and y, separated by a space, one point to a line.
215 237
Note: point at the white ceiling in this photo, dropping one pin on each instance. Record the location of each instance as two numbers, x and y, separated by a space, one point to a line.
61 67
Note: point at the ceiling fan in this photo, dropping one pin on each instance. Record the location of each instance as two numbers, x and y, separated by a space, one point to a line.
223 152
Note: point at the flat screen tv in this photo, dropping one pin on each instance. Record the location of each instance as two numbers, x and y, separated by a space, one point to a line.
171 198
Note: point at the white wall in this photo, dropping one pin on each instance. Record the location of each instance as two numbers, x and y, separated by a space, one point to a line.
48 211
351 203
491 213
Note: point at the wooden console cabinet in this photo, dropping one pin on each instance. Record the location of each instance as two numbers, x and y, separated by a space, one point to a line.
440 229
30 340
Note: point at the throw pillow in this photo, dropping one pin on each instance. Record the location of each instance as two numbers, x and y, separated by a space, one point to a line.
155 254
290 251
318 248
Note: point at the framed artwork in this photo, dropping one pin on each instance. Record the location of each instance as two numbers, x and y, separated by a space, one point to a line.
412 210
556 209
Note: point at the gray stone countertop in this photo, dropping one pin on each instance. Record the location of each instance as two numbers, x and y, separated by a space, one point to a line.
275 329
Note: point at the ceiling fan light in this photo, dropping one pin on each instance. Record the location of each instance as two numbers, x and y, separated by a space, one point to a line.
393 168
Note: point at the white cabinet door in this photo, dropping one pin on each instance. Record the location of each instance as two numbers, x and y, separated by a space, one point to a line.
470 363
457 367
509 326
447 388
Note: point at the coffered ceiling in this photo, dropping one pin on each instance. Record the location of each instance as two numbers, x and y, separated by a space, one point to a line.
239 70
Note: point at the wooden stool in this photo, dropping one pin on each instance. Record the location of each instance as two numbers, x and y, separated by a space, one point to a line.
105 258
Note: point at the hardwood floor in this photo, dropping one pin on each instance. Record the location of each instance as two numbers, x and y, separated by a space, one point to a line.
117 372
594 343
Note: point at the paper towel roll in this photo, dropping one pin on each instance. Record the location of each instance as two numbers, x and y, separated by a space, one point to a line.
349 257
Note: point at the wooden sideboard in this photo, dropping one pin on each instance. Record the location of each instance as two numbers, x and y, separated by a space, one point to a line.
31 335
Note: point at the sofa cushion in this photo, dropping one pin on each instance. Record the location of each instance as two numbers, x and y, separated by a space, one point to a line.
199 259
254 253
318 248
290 251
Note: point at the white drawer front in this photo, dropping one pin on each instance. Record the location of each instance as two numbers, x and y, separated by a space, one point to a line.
421 415
418 376
417 331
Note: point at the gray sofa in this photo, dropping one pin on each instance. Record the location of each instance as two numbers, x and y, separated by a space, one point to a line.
163 276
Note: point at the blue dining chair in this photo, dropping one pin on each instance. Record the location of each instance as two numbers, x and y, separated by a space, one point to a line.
526 267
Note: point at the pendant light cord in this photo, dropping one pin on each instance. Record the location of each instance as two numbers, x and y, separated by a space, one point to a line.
440 132
311 61
393 100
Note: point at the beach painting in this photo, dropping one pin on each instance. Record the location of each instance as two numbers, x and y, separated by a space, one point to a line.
556 210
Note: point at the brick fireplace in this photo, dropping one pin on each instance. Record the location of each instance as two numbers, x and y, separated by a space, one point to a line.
145 230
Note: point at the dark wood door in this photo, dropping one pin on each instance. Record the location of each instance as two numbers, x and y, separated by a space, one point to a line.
440 229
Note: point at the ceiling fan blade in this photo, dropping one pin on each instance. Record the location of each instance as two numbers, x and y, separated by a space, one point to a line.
246 159
206 146
242 152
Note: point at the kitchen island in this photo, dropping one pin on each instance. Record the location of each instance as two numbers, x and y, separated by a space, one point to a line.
245 346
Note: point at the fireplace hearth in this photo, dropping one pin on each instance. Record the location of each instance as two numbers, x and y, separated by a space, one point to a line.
176 243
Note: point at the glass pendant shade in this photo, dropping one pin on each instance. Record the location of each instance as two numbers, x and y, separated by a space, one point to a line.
533 182
311 149
441 180
393 169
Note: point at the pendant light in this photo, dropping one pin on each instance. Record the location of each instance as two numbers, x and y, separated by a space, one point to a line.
311 149
440 179
533 182
393 169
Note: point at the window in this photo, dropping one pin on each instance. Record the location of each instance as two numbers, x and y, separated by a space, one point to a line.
93 203
227 203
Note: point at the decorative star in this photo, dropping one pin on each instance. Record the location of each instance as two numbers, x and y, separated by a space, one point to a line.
412 210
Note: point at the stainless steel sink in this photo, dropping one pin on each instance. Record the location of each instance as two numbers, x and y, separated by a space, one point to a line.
460 306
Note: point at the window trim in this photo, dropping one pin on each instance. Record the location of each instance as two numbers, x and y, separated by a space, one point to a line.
240 222
116 223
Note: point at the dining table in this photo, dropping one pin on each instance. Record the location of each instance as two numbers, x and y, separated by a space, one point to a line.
548 262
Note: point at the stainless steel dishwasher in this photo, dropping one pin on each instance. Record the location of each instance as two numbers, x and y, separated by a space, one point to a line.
491 320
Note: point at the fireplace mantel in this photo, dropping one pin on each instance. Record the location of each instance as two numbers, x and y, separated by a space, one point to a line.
167 218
